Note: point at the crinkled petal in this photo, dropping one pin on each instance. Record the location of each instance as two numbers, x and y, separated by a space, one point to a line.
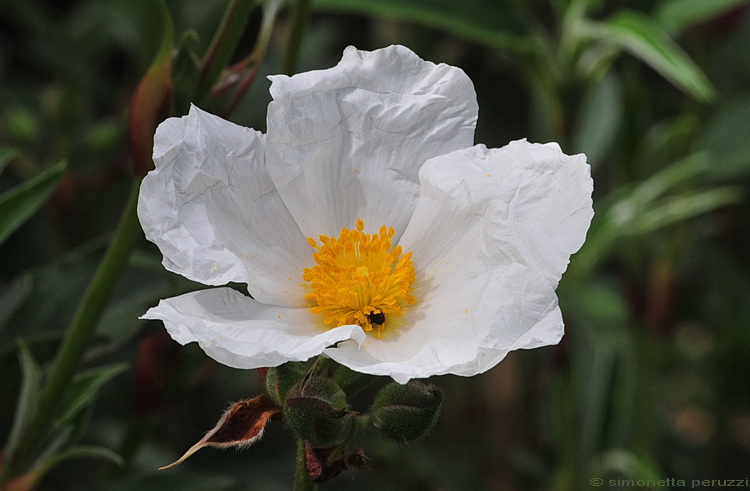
212 209
239 332
348 142
535 202
476 236
467 320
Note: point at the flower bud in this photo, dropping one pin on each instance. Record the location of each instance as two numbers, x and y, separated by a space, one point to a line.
282 378
406 413
316 409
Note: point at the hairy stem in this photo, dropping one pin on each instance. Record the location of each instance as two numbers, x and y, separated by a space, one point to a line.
302 481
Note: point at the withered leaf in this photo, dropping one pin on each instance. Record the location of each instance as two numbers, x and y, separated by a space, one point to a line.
240 426
323 464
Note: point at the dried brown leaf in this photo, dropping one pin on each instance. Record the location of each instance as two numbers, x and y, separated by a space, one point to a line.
240 426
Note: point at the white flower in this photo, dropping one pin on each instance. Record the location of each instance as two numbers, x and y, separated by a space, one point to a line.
380 145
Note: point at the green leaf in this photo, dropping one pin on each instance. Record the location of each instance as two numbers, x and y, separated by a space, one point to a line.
645 39
676 15
83 389
680 208
185 66
12 297
603 344
598 120
627 464
82 451
21 202
651 205
666 142
222 46
36 307
496 24
726 138
6 155
90 451
28 397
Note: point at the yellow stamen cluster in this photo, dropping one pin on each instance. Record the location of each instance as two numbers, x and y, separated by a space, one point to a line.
359 279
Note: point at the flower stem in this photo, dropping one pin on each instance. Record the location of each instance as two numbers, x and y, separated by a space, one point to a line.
78 335
300 13
302 481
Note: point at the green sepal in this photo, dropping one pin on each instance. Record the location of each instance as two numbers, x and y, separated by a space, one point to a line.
406 413
316 410
282 378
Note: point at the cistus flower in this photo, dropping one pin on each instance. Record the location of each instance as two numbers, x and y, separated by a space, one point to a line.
366 225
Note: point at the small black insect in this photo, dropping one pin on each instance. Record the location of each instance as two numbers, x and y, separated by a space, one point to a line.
378 319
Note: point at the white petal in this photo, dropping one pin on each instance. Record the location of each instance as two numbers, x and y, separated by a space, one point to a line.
485 283
212 209
469 316
239 332
535 203
348 142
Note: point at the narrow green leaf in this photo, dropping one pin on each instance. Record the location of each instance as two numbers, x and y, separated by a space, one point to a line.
502 25
676 15
185 67
649 206
295 33
28 396
12 296
81 451
645 39
667 140
629 465
6 155
684 207
598 120
586 4
676 174
604 343
222 46
21 202
83 389
726 138
90 451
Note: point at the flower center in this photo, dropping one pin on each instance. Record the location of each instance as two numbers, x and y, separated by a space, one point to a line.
359 279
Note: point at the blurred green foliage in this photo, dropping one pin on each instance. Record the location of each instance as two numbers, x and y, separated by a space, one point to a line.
650 381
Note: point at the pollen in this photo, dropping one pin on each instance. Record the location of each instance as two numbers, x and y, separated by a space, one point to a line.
359 279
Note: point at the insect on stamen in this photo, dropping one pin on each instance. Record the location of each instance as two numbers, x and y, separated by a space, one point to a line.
377 319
